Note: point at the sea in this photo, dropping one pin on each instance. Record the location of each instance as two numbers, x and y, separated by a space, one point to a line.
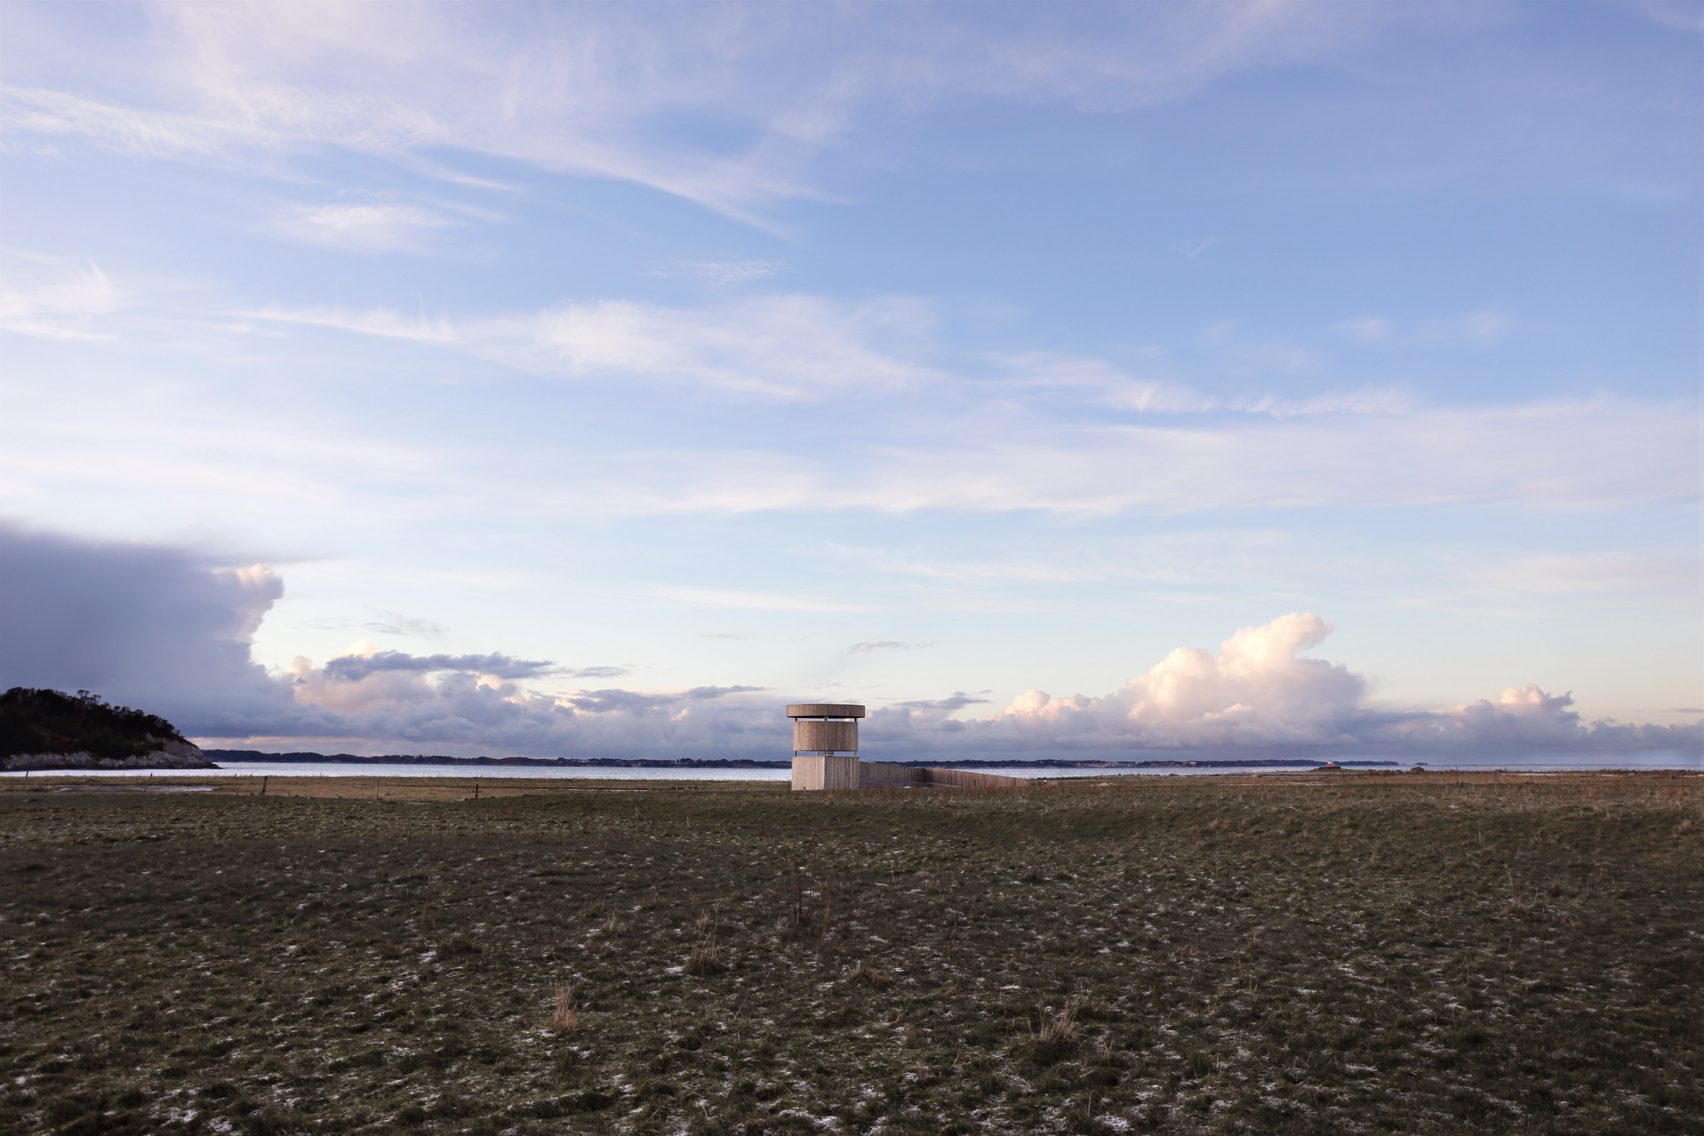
1541 763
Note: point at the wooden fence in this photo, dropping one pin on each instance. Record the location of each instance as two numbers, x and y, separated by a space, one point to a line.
887 775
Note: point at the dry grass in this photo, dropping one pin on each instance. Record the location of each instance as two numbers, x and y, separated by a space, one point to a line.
1354 954
564 1017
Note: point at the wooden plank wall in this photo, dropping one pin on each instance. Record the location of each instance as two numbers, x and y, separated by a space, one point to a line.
825 773
886 775
965 779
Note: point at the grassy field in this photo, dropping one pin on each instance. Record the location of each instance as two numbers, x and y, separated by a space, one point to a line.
1342 953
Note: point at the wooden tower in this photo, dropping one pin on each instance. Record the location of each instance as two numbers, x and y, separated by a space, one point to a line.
825 744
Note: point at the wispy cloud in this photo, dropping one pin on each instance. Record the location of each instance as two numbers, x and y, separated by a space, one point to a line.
1481 327
773 346
753 601
721 272
1558 455
54 298
588 90
369 228
885 645
382 323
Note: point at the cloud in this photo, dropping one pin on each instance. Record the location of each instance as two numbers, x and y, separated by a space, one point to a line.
1257 688
939 707
1482 327
52 298
595 90
885 645
753 601
171 632
724 273
351 668
1259 694
157 628
1562 455
393 623
775 346
372 228
382 323
595 672
630 702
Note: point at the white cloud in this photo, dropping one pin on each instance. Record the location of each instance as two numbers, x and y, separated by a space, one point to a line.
382 323
1257 689
753 601
369 228
724 273
1559 455
775 346
1260 694
1481 327
588 89
885 645
53 298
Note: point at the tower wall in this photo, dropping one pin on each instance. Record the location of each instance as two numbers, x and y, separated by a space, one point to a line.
817 735
825 773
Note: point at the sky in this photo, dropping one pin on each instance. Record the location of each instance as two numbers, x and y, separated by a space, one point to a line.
1251 377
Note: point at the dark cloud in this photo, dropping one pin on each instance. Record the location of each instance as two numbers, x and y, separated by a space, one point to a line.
958 700
352 668
633 702
157 628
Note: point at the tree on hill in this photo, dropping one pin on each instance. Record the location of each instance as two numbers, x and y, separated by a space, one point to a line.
48 722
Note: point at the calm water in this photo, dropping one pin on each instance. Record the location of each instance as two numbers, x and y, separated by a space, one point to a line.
1674 759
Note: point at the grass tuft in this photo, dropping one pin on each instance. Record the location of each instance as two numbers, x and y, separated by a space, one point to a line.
706 958
564 1018
1056 1037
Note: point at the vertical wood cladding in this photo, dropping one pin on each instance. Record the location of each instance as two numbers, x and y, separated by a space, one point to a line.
824 736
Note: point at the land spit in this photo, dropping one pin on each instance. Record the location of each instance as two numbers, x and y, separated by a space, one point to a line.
1349 953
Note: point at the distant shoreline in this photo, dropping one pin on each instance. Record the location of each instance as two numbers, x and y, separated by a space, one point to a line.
244 755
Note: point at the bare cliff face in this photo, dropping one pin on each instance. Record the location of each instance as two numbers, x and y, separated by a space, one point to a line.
170 755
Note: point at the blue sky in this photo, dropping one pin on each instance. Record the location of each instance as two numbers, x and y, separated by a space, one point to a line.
612 374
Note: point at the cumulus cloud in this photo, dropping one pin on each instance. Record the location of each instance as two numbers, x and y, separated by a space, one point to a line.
1258 689
171 631
1259 694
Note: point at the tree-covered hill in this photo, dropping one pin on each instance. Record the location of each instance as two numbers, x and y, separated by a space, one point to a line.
45 729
